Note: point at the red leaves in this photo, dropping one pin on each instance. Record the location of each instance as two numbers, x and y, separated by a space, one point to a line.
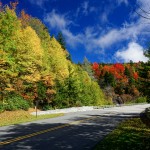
95 66
117 70
96 69
119 67
135 75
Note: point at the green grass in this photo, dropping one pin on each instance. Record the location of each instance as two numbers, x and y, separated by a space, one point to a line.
130 135
21 116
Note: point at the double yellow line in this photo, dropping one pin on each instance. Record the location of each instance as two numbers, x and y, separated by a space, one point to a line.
44 131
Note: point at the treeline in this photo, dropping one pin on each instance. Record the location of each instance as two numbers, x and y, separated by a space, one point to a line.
125 83
34 67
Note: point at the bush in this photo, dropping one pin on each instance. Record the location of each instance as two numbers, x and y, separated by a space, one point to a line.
1 107
126 98
78 104
141 100
47 107
15 102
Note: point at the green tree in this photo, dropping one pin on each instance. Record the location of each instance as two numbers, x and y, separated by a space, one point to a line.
61 40
69 90
9 28
86 65
144 73
109 79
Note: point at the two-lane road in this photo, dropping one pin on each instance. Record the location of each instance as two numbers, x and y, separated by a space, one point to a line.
75 131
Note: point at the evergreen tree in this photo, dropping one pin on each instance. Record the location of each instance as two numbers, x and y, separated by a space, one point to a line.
129 75
86 65
109 79
144 73
61 40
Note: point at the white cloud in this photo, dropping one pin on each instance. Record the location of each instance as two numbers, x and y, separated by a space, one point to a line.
61 22
38 2
73 40
130 31
104 17
85 9
57 21
133 52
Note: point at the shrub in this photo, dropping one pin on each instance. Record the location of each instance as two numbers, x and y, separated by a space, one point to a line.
15 102
78 104
126 98
1 107
141 100
47 107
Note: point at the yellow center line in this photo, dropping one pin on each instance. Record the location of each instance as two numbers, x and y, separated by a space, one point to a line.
44 131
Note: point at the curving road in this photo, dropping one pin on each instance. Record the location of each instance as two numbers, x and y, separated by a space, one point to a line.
74 131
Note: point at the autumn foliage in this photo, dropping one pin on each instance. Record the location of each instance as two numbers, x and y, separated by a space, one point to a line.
123 78
35 68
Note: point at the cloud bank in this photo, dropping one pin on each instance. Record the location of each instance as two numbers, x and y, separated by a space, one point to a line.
133 52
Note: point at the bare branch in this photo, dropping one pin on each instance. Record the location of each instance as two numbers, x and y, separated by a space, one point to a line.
143 15
146 12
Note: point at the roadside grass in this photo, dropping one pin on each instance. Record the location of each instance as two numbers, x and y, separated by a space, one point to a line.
21 116
131 134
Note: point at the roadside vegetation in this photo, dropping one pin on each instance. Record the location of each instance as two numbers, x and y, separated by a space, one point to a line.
125 83
36 69
131 134
21 116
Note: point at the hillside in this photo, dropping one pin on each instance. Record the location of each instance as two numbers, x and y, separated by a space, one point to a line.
34 67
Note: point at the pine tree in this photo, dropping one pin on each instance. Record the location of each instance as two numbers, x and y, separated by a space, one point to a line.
144 73
88 68
61 40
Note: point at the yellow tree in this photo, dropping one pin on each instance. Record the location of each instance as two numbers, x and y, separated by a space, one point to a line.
29 55
9 26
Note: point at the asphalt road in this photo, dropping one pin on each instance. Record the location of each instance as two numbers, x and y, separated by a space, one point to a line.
74 131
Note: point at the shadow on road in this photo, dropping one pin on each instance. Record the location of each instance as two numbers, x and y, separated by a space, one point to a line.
76 136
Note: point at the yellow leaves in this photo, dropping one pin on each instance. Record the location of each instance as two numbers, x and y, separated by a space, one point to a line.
34 41
29 54
30 44
51 91
34 77
9 89
2 58
58 61
48 80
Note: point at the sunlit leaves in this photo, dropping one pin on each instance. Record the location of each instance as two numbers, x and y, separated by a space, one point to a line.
36 66
29 54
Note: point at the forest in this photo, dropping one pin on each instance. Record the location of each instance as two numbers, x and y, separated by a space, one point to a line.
36 67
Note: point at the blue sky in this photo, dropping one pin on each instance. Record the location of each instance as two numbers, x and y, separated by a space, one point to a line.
106 31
